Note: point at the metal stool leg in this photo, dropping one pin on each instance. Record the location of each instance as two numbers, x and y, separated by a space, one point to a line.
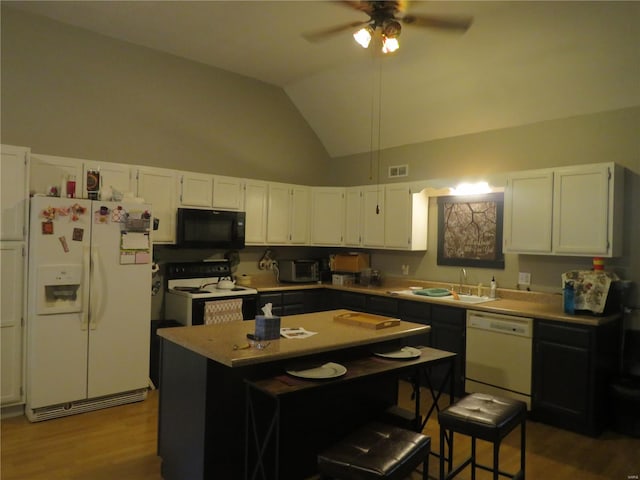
473 458
496 460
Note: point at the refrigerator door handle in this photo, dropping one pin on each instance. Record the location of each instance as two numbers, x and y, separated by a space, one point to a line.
84 322
95 306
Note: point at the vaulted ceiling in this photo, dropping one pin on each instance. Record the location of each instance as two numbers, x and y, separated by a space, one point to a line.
520 62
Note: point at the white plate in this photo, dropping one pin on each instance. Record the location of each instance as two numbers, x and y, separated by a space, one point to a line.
404 352
328 370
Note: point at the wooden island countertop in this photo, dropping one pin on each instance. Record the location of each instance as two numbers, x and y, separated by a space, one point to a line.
216 342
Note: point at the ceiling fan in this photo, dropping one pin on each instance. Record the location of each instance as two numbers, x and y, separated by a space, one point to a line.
388 17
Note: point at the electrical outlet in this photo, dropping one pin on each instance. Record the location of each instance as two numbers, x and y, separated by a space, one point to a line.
524 278
405 269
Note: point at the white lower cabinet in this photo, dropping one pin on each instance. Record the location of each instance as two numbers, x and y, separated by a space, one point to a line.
158 187
565 211
327 216
12 307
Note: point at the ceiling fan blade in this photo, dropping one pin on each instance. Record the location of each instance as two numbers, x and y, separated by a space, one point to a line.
320 35
461 23
363 6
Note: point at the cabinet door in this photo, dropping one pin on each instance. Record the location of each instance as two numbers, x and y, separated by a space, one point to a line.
353 217
255 204
581 210
158 187
278 212
114 176
528 211
448 333
561 373
299 220
397 225
14 192
50 171
12 306
196 190
227 193
373 213
327 215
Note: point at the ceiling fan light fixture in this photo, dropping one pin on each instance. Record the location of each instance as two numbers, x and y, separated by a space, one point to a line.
363 36
389 44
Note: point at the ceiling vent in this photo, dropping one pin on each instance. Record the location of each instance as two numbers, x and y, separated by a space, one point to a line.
398 171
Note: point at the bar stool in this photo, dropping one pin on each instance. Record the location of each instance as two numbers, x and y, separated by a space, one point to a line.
376 451
486 417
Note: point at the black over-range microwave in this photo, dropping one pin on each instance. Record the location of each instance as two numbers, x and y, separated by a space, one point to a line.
199 228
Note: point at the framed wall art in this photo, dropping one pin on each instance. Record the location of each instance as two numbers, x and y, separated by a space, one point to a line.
470 230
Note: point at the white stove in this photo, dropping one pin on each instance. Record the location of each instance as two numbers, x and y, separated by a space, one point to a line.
191 286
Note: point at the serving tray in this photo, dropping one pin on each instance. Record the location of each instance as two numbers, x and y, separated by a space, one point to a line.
367 320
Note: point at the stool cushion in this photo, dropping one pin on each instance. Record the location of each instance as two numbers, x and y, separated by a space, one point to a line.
375 451
483 416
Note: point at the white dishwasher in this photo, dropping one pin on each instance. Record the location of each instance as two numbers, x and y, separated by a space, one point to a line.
498 356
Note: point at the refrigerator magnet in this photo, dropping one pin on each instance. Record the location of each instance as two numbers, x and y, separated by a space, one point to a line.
118 214
63 242
101 215
78 234
47 228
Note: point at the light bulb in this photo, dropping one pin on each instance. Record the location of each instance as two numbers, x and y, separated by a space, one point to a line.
363 36
471 188
389 44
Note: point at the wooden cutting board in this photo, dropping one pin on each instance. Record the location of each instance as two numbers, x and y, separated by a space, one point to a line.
367 320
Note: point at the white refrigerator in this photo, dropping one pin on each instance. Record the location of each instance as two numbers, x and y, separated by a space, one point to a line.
88 306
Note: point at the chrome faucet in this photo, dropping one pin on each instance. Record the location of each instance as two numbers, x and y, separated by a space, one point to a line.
462 278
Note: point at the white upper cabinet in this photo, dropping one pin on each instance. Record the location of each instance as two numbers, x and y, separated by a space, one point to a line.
228 193
255 205
565 211
406 218
113 177
587 210
49 171
196 189
528 212
327 216
300 209
353 217
158 187
14 192
373 213
288 214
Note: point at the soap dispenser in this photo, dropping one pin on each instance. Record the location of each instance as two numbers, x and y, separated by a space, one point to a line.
492 290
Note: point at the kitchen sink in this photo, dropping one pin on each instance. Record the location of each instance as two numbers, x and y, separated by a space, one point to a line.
467 299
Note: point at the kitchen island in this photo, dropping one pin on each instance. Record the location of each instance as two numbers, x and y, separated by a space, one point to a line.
202 413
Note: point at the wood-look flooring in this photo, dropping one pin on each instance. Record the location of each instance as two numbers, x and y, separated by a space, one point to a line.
119 443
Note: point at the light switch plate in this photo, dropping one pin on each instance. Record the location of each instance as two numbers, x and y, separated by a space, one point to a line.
524 278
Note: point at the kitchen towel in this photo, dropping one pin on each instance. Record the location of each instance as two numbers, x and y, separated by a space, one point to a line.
222 311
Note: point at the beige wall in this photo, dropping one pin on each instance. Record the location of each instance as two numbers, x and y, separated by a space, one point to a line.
69 92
